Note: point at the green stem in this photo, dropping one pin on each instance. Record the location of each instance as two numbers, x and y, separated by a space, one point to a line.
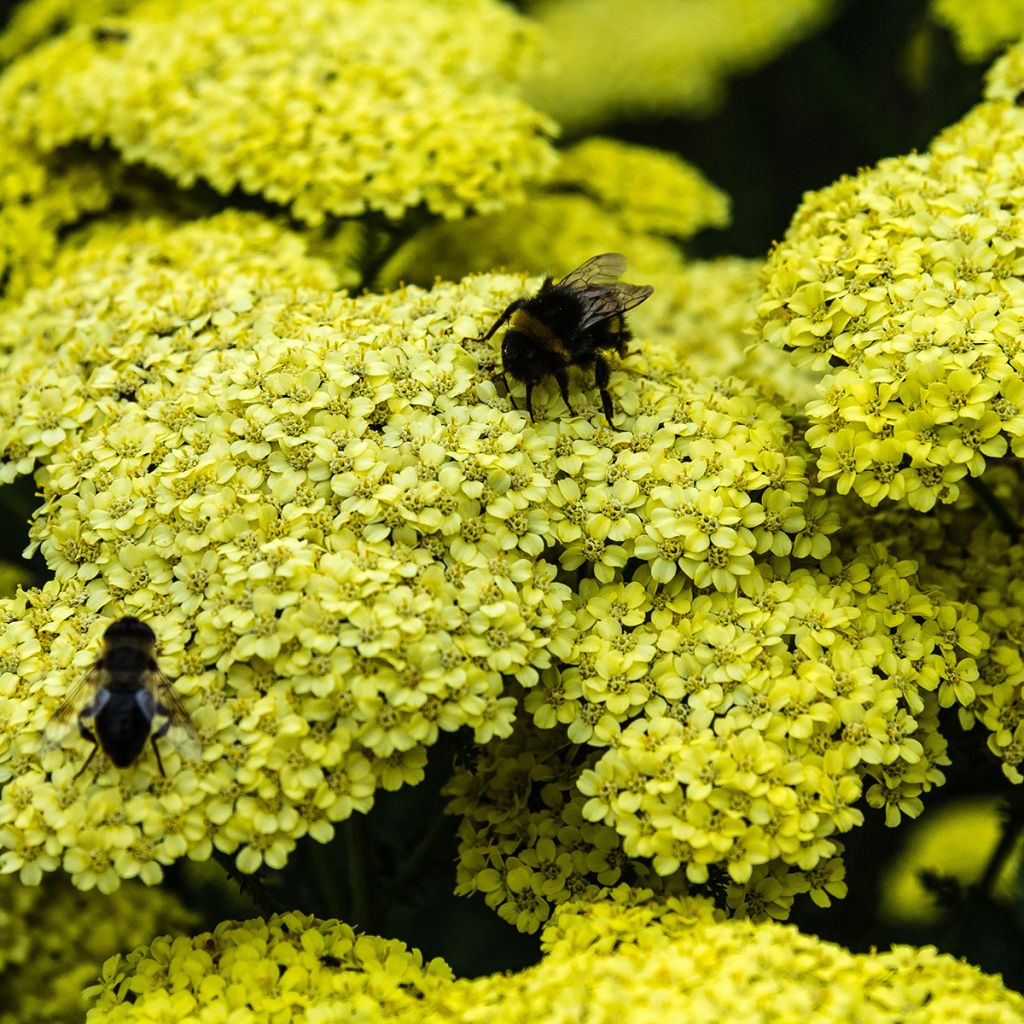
250 886
998 510
414 862
357 850
1013 826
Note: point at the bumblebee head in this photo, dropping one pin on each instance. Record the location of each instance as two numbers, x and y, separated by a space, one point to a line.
519 357
130 632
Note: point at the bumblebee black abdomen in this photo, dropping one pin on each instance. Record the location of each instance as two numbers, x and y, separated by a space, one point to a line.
122 724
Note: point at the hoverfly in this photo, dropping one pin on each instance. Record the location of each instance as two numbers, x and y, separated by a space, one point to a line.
124 700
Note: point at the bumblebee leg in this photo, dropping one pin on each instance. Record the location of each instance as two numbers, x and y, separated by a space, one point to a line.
563 385
509 310
508 392
601 377
529 398
87 734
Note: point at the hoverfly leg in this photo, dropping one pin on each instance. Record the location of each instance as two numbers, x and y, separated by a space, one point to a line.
156 750
563 386
154 736
87 734
601 377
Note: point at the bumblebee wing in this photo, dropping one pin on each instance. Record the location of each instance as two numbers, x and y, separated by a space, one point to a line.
603 303
65 715
599 271
180 729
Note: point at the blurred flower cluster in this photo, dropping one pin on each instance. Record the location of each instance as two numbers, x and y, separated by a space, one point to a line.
610 58
54 939
627 959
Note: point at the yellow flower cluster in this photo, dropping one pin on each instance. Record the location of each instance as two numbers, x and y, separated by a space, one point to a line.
963 555
900 287
631 961
980 27
291 967
344 535
38 197
648 190
612 58
523 840
32 21
698 323
54 939
605 196
736 735
328 107
624 960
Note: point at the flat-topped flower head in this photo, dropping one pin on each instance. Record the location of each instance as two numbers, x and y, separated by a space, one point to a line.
723 737
626 956
615 58
323 108
980 28
900 287
56 939
342 532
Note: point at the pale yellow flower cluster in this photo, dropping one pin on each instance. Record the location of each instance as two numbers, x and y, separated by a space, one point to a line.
699 323
736 734
615 58
291 967
626 960
605 196
963 555
901 287
327 107
548 234
955 841
980 27
32 21
54 939
648 190
40 196
344 535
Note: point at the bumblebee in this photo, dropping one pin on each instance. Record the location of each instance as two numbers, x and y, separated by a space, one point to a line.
124 700
570 324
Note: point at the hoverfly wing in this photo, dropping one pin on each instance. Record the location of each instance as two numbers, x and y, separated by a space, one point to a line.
180 729
598 272
65 716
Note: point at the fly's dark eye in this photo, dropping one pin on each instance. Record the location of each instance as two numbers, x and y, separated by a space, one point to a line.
129 630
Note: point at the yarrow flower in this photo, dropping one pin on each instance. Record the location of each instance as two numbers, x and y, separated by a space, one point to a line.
54 939
956 842
290 966
382 106
899 286
345 540
628 958
722 736
670 57
980 29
